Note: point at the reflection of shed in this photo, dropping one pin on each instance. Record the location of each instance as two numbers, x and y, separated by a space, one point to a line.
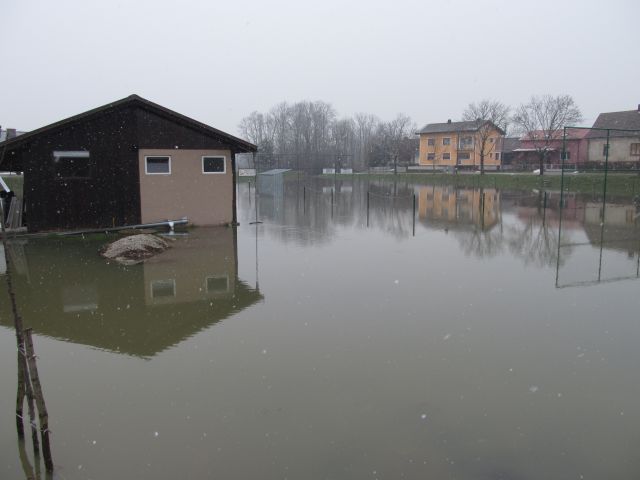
271 182
139 310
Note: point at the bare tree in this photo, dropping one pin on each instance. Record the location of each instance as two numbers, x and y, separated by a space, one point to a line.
542 120
487 115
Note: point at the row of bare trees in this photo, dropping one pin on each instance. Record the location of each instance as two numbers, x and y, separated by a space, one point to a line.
541 121
310 135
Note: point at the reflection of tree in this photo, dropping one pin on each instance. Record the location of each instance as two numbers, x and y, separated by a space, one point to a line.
482 243
534 242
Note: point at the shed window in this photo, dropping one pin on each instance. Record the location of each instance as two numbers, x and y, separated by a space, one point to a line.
157 165
72 164
218 284
213 165
635 149
163 288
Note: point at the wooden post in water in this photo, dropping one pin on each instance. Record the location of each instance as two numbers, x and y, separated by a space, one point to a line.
42 407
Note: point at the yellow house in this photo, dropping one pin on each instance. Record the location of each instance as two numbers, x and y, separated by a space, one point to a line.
461 145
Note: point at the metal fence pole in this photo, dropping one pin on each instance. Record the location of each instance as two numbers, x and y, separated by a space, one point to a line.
414 214
368 208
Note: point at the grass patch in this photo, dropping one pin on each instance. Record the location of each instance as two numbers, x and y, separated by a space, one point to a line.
617 183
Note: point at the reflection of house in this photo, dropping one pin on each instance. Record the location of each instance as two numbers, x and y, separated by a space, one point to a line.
128 162
621 228
75 296
553 143
459 144
449 207
624 146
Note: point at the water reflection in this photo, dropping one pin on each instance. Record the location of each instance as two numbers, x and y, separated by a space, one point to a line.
486 222
68 292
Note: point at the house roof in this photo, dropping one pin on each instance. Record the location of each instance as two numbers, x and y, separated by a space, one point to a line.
454 127
3 135
572 134
626 120
509 144
137 101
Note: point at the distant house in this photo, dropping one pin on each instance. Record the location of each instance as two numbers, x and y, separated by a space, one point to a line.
624 139
125 163
575 147
457 144
509 154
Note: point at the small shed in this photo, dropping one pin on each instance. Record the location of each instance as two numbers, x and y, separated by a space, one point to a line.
128 162
271 182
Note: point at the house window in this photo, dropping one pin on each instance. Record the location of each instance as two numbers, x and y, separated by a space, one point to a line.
68 165
491 139
446 156
565 155
446 141
464 156
635 149
213 164
497 155
431 156
157 165
431 141
465 143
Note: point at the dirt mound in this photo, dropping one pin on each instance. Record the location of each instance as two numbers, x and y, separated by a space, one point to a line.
134 249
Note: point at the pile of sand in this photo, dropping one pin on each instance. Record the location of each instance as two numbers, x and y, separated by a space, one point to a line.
134 249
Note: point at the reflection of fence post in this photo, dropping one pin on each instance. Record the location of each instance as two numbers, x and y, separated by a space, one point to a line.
544 209
414 214
367 208
42 408
304 199
331 202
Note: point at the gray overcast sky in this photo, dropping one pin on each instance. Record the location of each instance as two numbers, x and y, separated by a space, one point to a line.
217 61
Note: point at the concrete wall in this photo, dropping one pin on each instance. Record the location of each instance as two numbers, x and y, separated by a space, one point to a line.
205 199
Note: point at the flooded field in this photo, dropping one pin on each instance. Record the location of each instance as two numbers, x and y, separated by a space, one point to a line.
361 330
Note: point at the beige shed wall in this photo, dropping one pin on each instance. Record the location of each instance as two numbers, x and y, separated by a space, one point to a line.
205 199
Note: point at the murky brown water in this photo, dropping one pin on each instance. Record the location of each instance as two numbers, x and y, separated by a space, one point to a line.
315 346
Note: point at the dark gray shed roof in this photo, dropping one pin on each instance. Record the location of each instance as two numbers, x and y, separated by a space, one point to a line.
238 143
509 144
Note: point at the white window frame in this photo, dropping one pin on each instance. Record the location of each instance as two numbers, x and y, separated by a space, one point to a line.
446 153
146 170
224 159
446 144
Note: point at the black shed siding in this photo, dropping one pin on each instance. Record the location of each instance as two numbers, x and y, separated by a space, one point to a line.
109 197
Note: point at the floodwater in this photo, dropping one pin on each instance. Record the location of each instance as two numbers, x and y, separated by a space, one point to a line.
493 338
